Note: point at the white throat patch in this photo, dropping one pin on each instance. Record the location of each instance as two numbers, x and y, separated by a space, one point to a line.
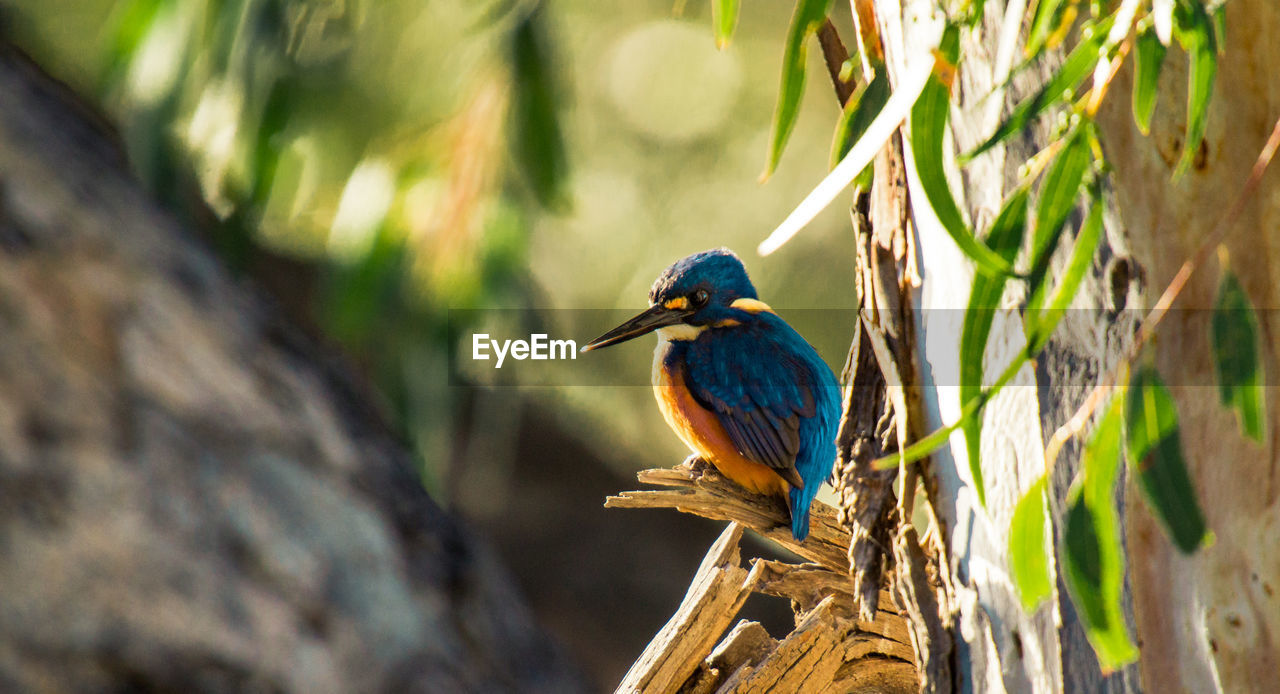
680 331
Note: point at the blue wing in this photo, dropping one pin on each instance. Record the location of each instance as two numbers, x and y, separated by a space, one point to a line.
777 400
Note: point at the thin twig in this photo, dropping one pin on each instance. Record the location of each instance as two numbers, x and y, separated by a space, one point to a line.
835 55
1073 426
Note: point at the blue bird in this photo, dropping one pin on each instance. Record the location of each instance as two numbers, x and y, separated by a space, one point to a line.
737 384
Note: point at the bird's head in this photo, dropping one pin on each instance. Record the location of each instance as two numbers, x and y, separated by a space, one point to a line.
704 290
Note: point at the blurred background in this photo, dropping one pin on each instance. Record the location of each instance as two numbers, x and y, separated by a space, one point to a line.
400 174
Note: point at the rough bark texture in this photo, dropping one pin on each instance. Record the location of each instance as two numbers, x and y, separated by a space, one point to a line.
1211 621
193 497
1002 647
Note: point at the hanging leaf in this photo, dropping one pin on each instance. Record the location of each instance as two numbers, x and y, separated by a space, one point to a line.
1086 242
862 108
1050 15
1147 61
1195 32
1030 548
808 16
1154 447
1093 563
1078 65
724 18
1005 239
928 127
539 144
1058 193
919 449
1236 358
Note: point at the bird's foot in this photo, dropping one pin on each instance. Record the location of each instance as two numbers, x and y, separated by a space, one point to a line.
696 465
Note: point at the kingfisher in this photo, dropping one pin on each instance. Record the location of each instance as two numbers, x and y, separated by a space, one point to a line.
738 384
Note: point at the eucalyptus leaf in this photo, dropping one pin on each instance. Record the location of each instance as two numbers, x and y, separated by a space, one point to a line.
724 18
1082 250
808 16
1049 16
1195 32
1148 59
1004 239
928 128
1059 90
539 144
1093 561
862 108
1030 548
1237 359
1058 193
1154 447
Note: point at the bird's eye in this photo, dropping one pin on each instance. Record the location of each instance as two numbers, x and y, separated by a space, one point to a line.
700 297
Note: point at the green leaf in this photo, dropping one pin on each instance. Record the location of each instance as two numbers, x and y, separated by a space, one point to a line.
1236 358
1194 29
1058 193
1093 563
1078 65
1004 239
1030 547
539 145
862 108
919 449
809 14
1148 59
724 18
928 126
1153 444
1049 15
1082 250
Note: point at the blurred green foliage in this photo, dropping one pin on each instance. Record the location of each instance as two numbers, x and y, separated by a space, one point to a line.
418 155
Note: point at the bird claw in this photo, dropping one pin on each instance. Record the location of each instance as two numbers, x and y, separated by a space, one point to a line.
696 465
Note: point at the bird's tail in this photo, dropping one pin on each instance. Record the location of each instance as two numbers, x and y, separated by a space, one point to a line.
799 501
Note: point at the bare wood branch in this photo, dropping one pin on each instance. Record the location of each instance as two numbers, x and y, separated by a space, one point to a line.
705 492
813 656
745 647
718 590
834 54
917 597
807 585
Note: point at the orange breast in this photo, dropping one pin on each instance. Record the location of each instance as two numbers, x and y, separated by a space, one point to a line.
703 433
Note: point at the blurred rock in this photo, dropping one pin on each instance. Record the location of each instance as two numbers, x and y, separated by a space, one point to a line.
193 496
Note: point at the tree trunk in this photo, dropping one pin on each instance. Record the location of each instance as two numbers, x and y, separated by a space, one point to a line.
193 496
1208 622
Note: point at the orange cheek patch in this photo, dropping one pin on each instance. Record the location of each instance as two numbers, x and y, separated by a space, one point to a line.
677 304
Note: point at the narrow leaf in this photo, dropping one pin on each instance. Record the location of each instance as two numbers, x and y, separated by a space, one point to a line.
1005 239
1154 447
917 450
808 15
861 154
1030 546
1196 34
1148 59
1093 563
1049 15
1082 251
928 126
1236 358
861 110
1058 193
724 18
1078 65
539 143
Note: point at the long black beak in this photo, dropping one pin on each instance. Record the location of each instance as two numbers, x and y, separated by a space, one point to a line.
656 316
